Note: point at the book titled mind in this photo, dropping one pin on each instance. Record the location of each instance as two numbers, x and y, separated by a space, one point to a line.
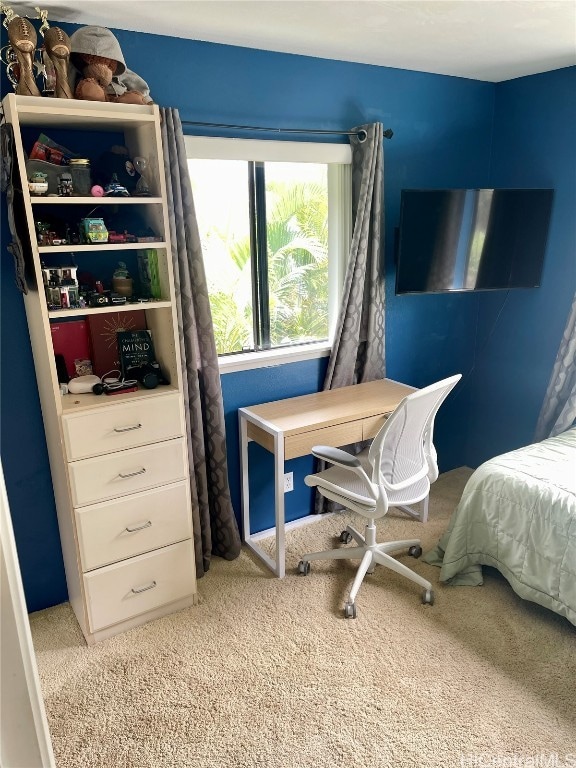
135 348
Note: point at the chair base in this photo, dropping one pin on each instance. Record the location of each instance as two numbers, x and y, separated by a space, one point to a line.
371 554
422 515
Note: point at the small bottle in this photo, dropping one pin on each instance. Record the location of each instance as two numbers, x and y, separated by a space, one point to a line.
81 176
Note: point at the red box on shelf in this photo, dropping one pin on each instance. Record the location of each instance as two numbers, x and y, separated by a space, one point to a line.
102 330
70 339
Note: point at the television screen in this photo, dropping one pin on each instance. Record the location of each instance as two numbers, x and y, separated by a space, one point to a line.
471 239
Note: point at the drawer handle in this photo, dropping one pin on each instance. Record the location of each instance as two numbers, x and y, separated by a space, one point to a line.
133 474
147 524
138 590
128 429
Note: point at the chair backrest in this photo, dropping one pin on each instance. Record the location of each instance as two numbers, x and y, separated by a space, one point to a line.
403 449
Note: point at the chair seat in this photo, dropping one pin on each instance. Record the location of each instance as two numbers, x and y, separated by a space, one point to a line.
349 481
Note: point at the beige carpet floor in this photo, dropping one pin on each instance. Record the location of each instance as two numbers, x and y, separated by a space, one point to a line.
267 673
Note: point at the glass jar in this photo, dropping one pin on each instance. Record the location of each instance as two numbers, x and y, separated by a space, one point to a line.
81 176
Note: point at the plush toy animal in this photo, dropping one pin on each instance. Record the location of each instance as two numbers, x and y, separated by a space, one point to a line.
97 73
97 59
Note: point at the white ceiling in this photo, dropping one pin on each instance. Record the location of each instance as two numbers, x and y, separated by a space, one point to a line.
490 40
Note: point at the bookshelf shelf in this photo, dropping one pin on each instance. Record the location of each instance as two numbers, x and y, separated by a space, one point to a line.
50 200
100 247
62 314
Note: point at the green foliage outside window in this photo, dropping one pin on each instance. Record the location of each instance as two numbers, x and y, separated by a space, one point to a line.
297 241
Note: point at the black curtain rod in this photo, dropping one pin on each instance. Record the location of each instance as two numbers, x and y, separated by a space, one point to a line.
361 134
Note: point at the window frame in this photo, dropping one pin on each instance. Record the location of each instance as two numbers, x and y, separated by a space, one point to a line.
338 158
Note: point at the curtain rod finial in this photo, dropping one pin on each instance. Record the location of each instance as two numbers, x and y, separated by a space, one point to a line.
388 133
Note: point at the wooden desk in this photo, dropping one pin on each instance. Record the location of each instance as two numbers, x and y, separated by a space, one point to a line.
289 428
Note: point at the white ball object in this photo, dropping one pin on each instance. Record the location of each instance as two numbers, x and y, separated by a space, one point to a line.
82 384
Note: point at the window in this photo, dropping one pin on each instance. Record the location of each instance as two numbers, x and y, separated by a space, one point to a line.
274 221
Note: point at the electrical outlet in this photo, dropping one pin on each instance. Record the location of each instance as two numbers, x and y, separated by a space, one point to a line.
288 482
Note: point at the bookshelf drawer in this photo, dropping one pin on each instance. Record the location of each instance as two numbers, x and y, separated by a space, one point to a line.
125 472
118 592
132 525
126 425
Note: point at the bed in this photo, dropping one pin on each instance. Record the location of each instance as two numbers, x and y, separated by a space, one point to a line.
518 514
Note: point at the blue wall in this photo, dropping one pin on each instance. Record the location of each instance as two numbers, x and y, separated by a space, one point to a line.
443 134
518 340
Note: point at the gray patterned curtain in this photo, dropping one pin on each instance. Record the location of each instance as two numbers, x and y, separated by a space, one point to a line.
358 349
559 409
215 528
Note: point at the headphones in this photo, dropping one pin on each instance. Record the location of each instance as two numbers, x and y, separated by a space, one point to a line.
113 383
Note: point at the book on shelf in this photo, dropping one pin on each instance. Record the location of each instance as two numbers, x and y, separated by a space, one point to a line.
136 349
103 339
70 339
149 274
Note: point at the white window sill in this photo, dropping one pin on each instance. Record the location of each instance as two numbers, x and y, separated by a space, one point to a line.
249 360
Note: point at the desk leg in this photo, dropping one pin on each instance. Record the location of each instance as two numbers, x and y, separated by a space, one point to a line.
243 428
279 499
277 565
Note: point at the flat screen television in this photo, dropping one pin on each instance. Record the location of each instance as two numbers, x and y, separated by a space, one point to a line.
471 239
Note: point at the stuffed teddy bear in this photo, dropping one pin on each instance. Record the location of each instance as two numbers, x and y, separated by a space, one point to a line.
97 73
96 82
97 58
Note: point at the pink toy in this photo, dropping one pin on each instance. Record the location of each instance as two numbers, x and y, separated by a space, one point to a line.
97 191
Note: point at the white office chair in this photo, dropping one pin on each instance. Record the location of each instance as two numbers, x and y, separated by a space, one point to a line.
395 471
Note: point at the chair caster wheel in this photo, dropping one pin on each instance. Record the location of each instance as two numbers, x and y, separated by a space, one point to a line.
428 597
415 551
350 610
304 567
345 537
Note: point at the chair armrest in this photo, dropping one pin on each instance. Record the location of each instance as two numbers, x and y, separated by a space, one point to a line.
336 456
346 461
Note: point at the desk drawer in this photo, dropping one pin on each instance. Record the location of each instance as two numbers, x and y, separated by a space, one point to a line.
118 592
121 426
132 525
339 434
125 472
372 425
